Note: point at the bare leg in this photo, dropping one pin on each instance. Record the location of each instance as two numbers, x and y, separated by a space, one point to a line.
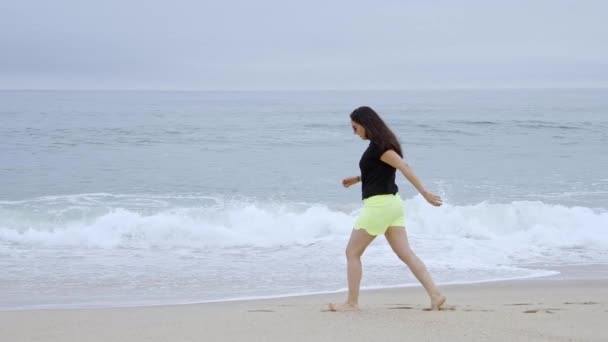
359 240
397 238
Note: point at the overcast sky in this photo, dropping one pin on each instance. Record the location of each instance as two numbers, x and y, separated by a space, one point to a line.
281 44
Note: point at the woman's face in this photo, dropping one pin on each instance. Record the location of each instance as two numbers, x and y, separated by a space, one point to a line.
358 130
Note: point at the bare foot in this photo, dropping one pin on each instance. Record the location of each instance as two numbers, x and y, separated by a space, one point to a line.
437 302
346 307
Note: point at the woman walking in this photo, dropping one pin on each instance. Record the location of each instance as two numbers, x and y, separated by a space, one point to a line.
382 206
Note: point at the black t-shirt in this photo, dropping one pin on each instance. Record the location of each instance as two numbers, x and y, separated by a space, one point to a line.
377 176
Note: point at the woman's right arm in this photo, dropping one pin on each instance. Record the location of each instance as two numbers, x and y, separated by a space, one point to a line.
346 182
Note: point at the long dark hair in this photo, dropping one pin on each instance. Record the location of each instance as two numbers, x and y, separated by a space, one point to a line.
376 130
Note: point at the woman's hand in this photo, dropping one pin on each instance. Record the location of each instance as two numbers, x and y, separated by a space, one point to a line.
346 182
432 198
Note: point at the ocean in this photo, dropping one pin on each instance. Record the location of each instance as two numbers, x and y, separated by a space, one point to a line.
121 198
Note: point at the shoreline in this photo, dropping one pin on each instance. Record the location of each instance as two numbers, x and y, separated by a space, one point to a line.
563 272
152 303
532 309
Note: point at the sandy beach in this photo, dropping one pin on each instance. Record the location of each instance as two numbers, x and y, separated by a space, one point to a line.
549 309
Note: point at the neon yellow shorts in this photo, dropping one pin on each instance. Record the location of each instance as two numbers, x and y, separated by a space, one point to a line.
380 212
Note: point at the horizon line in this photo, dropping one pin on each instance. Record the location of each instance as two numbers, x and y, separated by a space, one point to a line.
564 87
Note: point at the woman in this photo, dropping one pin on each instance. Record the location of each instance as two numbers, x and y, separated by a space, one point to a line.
382 207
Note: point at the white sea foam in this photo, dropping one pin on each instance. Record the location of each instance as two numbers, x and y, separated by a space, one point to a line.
196 248
512 230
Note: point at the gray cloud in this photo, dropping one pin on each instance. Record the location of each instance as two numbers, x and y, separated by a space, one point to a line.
306 45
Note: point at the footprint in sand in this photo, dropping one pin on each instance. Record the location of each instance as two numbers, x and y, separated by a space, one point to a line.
581 303
261 310
401 308
531 311
549 311
482 310
443 308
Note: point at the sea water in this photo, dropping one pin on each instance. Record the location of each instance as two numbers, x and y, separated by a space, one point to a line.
131 198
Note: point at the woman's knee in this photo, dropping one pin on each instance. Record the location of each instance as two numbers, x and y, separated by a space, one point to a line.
406 255
353 253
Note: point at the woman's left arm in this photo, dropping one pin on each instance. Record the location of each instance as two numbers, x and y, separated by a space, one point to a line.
393 159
